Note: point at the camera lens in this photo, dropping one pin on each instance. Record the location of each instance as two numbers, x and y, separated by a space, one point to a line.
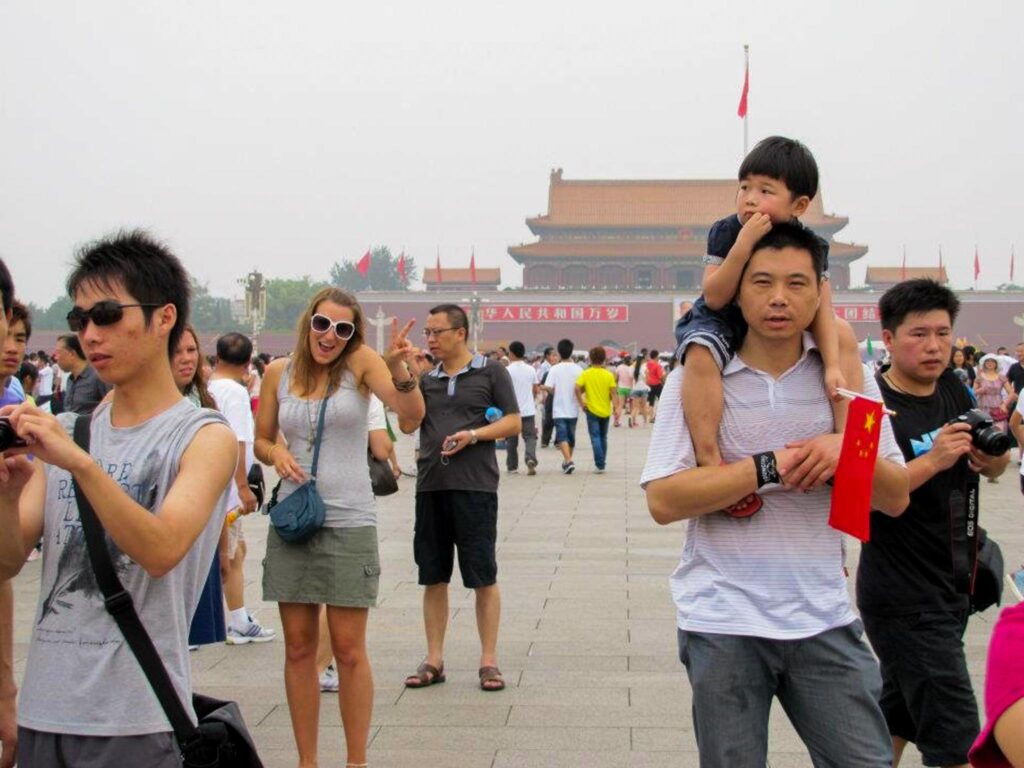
991 441
8 437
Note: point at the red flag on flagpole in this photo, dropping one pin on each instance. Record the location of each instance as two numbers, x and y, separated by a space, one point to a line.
977 264
903 269
363 266
401 266
851 486
438 270
472 267
742 109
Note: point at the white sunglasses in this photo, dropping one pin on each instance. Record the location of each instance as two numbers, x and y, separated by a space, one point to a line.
343 329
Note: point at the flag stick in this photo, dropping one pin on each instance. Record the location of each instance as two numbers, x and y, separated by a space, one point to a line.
851 395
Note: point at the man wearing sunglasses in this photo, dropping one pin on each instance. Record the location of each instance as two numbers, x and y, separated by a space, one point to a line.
156 475
84 389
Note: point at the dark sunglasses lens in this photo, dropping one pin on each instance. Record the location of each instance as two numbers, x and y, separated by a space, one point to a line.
344 330
76 319
106 313
319 323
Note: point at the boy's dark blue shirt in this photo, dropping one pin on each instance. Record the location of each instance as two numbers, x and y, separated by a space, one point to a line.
724 232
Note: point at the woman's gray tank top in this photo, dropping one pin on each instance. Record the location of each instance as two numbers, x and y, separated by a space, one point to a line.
343 477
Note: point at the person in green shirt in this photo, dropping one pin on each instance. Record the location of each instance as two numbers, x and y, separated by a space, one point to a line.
597 392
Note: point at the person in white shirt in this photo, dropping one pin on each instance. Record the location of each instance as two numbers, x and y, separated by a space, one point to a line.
762 605
526 385
233 353
565 407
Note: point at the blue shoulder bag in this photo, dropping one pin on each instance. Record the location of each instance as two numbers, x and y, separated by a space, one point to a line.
300 515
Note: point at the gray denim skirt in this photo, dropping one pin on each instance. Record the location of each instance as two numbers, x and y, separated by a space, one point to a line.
338 566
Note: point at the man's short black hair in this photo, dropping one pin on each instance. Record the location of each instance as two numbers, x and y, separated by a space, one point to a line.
548 351
914 296
793 235
20 312
234 348
565 348
71 342
144 267
518 349
6 287
456 315
784 159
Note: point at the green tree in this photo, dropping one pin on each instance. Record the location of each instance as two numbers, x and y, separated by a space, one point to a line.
382 275
286 300
211 313
53 317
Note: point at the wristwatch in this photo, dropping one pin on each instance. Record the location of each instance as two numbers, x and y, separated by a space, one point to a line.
472 437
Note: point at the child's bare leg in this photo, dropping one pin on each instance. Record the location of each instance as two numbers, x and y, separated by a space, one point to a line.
703 403
853 372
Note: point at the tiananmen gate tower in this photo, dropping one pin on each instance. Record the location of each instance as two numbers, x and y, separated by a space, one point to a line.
635 235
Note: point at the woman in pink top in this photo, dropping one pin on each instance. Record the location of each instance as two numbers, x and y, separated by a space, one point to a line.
1001 742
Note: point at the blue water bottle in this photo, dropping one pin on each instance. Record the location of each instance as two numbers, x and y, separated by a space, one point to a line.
492 414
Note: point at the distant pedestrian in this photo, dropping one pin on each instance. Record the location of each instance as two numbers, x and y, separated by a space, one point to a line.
84 389
524 381
624 381
548 426
565 409
597 394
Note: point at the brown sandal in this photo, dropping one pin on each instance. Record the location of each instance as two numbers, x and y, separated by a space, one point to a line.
491 675
426 675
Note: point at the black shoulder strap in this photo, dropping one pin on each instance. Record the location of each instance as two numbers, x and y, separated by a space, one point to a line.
120 606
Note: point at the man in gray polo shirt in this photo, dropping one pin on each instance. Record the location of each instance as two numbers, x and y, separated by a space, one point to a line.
85 389
762 603
457 489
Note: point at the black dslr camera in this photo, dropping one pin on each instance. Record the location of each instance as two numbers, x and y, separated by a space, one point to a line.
984 435
8 437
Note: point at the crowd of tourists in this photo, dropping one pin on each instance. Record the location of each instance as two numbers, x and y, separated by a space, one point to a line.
133 463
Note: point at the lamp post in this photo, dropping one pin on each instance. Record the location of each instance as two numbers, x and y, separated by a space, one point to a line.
380 321
255 310
1018 320
476 320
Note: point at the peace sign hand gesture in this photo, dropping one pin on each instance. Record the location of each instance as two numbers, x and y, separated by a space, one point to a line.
400 350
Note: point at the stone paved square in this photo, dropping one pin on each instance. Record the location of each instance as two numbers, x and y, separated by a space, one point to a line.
587 640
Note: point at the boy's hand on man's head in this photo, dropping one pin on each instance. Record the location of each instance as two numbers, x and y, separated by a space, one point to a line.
756 227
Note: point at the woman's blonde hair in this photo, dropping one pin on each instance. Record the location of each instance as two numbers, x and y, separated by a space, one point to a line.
304 367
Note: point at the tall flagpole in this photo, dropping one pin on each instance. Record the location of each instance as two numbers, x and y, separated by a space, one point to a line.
746 112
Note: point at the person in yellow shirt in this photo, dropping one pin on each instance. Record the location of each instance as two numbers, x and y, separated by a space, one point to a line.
596 390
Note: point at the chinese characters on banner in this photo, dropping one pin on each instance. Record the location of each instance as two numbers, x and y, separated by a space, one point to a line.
555 313
857 313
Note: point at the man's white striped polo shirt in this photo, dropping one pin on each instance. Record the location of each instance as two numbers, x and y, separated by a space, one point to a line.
778 574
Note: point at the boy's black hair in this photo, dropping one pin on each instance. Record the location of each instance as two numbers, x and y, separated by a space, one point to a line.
456 315
26 371
71 342
143 267
20 312
793 235
6 287
913 296
565 348
234 348
518 349
784 159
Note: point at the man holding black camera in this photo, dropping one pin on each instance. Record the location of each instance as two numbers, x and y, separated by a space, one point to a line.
914 574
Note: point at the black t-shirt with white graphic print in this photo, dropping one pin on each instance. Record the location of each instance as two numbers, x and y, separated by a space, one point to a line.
907 566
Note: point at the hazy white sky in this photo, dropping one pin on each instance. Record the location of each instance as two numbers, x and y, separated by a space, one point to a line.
285 136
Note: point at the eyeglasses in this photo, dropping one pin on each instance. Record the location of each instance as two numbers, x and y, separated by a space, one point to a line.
343 329
101 313
428 332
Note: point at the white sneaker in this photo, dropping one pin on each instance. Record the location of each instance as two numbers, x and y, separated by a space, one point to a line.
329 680
254 633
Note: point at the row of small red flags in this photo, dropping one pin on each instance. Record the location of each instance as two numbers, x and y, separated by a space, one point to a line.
363 266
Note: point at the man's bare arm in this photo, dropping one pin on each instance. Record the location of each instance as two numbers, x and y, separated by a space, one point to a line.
700 491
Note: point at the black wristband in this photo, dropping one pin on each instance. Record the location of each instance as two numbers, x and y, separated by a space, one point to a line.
764 466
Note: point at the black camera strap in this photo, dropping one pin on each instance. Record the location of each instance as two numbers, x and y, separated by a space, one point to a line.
121 607
964 535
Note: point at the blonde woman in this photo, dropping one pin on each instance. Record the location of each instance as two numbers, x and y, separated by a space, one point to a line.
339 567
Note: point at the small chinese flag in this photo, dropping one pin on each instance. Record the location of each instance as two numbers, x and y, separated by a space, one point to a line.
439 267
472 268
851 487
401 266
742 110
977 264
363 265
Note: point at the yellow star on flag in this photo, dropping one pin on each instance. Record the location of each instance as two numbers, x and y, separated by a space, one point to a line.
869 422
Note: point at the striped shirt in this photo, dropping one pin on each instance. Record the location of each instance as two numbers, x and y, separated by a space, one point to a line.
777 574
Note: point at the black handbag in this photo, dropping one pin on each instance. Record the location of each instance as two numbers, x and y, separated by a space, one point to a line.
298 517
988 574
382 479
256 483
221 740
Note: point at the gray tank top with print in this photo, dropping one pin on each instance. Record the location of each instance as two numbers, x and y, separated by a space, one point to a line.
343 478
